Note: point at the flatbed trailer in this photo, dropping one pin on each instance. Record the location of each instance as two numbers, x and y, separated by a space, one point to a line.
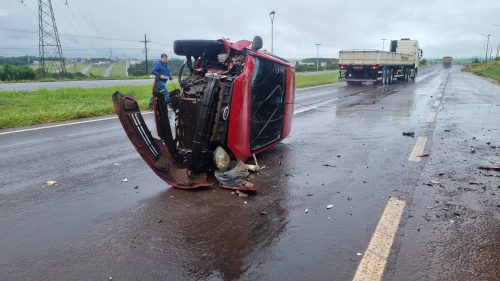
357 66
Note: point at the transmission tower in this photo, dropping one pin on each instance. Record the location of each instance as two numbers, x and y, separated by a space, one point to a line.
51 58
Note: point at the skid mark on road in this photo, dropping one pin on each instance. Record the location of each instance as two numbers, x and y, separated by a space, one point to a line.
418 149
373 263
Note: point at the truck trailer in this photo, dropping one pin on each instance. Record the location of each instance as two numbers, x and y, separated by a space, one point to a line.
401 63
447 62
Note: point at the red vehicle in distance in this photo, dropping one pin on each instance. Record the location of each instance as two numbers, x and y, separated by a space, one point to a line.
236 101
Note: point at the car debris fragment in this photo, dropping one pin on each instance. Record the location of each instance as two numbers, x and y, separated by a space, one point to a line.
409 134
489 168
329 206
50 183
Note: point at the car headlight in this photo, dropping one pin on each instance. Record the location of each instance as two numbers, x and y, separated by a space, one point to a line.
221 158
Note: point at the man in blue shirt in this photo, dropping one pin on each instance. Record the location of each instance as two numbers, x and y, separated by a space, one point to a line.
161 68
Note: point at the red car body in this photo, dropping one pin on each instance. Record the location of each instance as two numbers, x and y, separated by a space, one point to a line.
236 97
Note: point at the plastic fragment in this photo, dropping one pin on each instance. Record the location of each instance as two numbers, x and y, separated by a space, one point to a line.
50 183
329 206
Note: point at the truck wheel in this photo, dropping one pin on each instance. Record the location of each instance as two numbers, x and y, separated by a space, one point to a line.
385 78
389 73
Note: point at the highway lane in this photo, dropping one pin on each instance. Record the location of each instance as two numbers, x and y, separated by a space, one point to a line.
346 149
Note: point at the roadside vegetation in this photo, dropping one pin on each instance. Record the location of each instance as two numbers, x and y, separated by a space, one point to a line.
22 108
489 69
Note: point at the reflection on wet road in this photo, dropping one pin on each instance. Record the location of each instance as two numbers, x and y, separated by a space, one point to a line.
346 149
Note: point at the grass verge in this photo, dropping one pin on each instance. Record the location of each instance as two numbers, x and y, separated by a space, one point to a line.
21 108
489 69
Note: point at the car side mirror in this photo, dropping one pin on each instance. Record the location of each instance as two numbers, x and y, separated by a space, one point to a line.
257 43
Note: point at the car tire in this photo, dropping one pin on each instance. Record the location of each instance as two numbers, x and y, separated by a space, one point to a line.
196 48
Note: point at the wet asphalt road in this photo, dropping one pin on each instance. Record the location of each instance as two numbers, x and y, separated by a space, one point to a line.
346 149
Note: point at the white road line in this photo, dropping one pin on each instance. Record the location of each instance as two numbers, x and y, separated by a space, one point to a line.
313 106
63 125
373 263
436 103
432 117
418 149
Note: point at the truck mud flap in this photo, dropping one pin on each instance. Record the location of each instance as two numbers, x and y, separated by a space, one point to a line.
153 151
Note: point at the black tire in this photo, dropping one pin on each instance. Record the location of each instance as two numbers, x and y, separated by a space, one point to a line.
197 48
389 75
384 76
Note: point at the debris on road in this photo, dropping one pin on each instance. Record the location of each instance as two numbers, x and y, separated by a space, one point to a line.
328 165
241 194
136 187
125 180
236 177
359 254
474 183
472 150
489 168
409 134
160 221
263 213
329 207
50 183
424 155
116 164
447 130
306 211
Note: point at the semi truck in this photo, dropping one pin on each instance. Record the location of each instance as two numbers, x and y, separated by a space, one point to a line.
447 62
401 63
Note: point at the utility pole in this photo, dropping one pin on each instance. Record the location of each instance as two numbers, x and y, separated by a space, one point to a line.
383 43
146 52
317 55
487 45
50 54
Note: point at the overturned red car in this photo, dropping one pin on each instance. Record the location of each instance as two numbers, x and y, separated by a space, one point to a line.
236 101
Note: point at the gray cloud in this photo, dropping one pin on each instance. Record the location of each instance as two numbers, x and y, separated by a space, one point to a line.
442 27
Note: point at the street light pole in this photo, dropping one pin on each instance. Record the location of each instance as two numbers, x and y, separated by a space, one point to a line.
271 15
317 55
487 45
383 43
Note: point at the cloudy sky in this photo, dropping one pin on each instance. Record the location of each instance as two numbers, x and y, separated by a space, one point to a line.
92 28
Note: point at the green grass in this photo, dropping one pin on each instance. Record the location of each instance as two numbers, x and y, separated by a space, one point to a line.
490 69
22 108
302 81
